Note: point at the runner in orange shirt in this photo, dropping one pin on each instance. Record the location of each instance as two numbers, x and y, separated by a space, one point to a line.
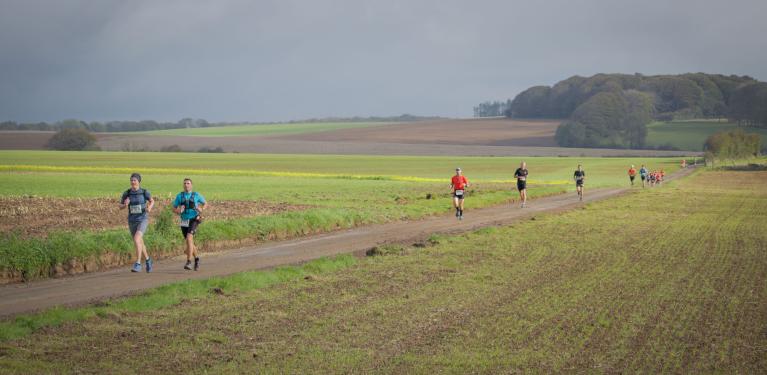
459 183
632 174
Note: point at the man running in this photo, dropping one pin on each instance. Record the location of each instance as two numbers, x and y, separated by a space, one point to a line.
632 174
643 174
139 203
459 183
189 205
521 175
579 176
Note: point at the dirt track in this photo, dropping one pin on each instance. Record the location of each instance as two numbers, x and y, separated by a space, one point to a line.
79 290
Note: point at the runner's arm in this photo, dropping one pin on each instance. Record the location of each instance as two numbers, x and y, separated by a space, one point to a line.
151 204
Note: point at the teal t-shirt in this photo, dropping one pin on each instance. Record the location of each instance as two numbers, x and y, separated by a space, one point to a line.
191 201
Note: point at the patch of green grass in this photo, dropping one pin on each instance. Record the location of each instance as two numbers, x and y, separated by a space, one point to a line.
609 171
261 129
171 295
691 135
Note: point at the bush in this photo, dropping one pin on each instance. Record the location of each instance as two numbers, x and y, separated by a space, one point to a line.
73 139
211 150
732 145
171 148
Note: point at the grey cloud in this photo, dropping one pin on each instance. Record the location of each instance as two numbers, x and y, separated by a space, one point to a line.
280 60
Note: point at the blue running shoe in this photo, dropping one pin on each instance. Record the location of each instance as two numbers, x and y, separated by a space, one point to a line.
148 265
136 267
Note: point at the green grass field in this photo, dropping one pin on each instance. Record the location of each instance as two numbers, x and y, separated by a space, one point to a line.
691 135
666 280
265 129
342 192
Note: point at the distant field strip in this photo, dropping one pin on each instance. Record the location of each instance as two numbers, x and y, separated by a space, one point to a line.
256 130
691 135
233 172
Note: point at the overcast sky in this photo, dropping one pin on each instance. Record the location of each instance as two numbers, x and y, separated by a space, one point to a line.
237 60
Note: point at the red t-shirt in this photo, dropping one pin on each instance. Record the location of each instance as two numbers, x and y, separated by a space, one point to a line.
632 172
459 181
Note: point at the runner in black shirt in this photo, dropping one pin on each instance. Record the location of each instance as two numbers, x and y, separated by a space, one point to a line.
579 176
521 175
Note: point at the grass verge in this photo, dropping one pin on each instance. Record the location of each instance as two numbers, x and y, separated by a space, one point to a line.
170 295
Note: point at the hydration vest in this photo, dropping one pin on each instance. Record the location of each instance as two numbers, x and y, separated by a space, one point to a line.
137 198
190 203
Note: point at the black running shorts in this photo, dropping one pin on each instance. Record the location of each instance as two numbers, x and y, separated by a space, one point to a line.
191 229
521 185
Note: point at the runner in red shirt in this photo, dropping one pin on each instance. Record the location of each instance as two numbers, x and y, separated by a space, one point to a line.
458 184
632 174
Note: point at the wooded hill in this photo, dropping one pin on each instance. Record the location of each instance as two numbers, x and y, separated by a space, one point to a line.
612 110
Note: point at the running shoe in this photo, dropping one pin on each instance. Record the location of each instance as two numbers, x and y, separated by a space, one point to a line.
148 265
188 265
136 267
197 263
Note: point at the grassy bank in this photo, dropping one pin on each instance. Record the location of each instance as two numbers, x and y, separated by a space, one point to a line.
671 279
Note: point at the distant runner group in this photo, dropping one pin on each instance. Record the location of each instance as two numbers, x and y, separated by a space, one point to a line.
190 204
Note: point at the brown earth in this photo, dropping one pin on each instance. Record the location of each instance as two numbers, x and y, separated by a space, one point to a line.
484 132
24 140
81 289
31 216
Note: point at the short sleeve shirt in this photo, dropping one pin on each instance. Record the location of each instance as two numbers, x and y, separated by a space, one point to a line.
188 200
579 175
459 182
140 198
520 174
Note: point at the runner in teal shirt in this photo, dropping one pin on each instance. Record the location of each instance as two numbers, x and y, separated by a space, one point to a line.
189 205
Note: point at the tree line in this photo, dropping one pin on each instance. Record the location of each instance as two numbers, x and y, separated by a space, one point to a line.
492 109
111 126
148 125
612 110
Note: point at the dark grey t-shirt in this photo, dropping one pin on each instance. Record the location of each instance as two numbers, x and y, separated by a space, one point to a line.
138 202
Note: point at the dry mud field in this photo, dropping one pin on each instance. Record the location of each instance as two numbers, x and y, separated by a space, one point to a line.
31 216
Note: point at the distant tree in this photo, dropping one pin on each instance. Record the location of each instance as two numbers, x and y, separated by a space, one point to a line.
531 103
73 139
211 150
71 124
608 119
733 145
491 109
748 104
171 148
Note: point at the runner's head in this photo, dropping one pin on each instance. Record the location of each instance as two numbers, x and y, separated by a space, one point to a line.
458 171
187 184
632 166
135 180
523 165
580 167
